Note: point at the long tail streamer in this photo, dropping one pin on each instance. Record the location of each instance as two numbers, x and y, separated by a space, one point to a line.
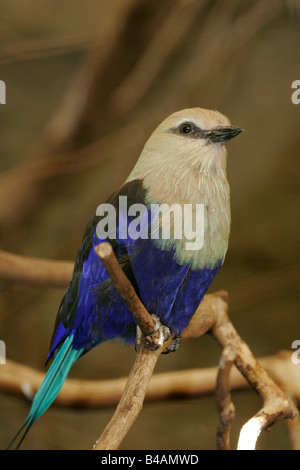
50 386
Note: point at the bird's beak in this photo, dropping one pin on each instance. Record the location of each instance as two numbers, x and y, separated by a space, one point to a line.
221 134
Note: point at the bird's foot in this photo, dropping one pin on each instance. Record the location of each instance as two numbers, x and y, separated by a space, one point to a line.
164 334
176 341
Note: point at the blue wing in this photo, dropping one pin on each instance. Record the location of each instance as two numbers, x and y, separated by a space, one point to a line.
92 311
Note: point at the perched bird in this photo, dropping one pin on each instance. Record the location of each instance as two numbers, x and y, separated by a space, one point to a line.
183 164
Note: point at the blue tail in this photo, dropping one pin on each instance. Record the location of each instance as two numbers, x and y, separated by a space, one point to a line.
51 385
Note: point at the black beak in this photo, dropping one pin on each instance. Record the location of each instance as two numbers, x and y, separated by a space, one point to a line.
221 134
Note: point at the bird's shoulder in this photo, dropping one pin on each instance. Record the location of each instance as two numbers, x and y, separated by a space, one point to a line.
135 193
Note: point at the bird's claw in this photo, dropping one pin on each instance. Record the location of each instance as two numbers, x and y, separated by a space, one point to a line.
164 334
176 341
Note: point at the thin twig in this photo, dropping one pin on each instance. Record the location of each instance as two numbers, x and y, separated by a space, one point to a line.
124 287
96 98
42 47
225 406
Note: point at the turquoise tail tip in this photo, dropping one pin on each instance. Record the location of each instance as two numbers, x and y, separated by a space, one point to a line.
50 386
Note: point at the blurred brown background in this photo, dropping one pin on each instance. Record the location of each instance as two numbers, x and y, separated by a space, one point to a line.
86 84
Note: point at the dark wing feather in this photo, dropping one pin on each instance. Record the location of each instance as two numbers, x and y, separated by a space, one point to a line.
69 305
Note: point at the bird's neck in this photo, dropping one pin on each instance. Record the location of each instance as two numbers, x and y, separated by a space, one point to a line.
191 187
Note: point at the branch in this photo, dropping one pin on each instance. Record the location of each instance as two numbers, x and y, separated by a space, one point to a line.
42 47
132 399
24 381
138 44
294 432
125 288
34 271
19 268
225 406
277 405
211 316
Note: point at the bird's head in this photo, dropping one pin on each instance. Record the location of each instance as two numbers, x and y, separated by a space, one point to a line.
203 125
192 138
196 134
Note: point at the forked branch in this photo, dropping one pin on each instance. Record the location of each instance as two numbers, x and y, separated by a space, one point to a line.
211 316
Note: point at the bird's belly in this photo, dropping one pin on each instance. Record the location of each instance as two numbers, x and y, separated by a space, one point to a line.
169 290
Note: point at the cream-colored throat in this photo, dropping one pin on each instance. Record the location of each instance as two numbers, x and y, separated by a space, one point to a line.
210 222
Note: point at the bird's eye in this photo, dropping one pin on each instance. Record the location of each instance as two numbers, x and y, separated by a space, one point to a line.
185 129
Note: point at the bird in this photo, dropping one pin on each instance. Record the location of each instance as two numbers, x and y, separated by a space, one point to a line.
182 164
